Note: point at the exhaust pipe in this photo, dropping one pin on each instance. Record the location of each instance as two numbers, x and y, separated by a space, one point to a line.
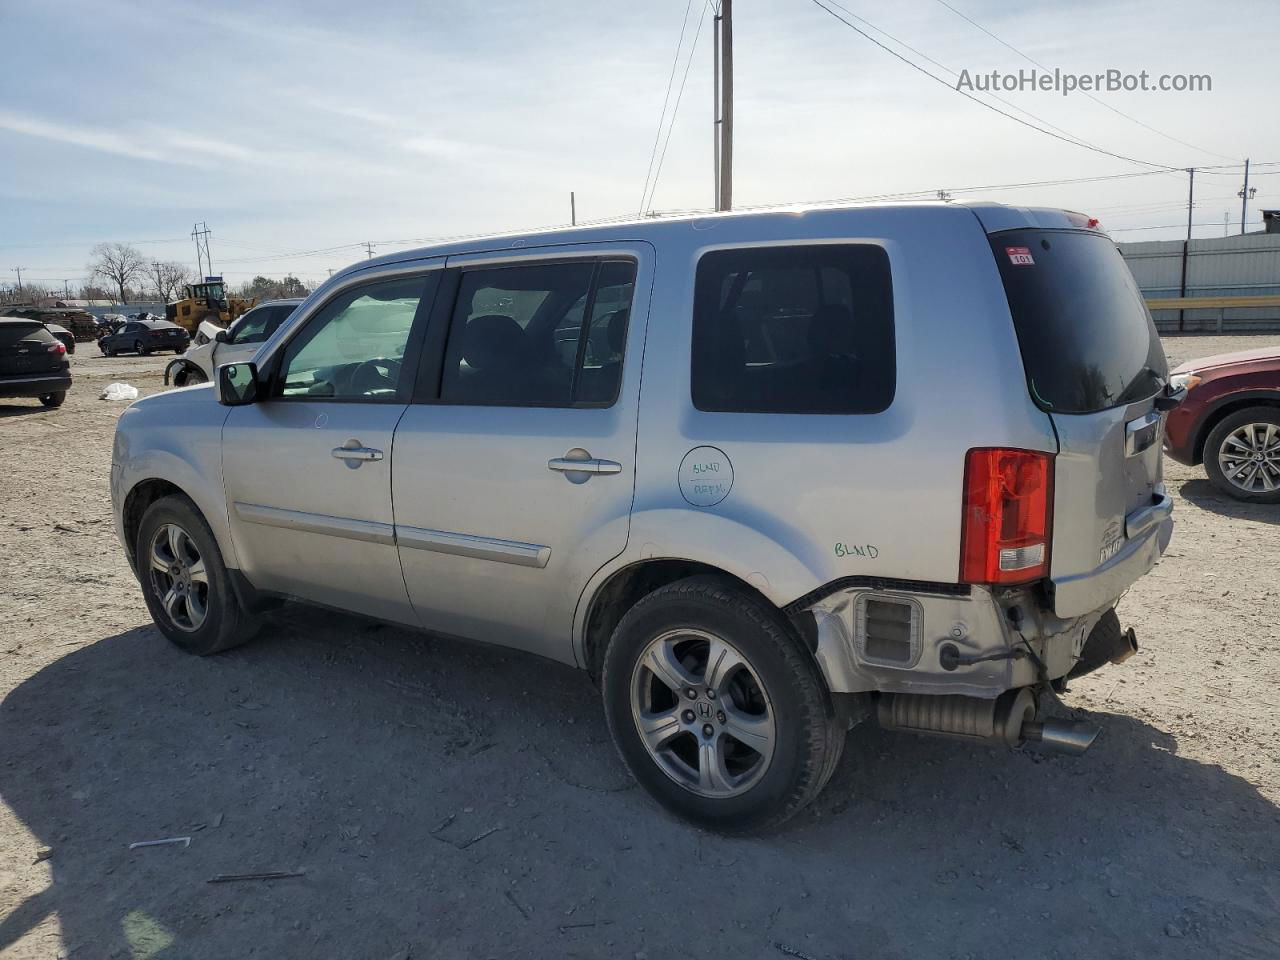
1107 643
1009 719
1061 736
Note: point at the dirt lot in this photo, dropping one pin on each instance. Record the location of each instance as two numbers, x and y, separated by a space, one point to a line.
379 761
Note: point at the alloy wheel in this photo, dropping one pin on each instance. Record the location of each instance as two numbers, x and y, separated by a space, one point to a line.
1250 457
179 578
702 713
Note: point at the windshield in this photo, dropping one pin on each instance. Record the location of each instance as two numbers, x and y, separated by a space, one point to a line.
1085 334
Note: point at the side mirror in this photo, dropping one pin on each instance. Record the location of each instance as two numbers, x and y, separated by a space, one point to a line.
237 384
221 336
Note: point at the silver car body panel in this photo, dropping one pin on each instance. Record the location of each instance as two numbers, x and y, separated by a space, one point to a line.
491 544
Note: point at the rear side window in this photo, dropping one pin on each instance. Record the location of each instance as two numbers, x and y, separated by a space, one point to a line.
1085 334
12 334
805 329
547 334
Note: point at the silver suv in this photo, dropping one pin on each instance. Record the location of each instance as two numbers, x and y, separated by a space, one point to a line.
764 476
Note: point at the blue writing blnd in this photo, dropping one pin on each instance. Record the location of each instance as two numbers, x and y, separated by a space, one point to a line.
867 550
705 468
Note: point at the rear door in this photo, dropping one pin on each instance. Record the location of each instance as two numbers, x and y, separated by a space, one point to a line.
1094 363
28 349
514 471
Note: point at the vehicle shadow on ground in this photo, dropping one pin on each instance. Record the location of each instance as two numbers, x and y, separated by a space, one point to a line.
457 801
18 408
1208 497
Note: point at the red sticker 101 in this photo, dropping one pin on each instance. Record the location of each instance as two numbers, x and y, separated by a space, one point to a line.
1020 256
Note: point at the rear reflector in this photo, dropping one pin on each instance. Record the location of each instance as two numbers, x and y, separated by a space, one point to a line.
1008 503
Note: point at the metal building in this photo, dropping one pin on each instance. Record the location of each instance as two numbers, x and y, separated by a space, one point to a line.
1241 266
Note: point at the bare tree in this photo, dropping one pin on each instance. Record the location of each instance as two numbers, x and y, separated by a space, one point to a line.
168 278
119 265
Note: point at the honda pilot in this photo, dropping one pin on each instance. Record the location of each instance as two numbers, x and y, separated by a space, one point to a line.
763 476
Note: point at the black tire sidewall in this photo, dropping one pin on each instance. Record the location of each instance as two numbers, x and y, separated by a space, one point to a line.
54 399
796 695
1213 443
222 620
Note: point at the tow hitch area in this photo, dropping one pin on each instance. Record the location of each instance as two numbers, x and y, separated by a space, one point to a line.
1009 719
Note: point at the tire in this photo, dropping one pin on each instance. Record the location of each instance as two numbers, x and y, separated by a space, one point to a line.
1242 455
772 687
224 623
189 377
54 399
140 350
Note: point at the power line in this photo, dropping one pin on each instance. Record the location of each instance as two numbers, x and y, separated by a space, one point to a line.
944 67
662 116
1037 63
1049 133
675 110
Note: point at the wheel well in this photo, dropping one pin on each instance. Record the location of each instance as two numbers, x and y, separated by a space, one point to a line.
135 505
1221 413
631 584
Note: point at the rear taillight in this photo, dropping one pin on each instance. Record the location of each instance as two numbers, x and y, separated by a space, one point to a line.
58 347
1008 508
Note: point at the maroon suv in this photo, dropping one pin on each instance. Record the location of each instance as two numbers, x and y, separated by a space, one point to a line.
1230 422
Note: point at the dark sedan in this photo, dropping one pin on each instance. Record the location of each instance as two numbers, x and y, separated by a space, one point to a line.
145 336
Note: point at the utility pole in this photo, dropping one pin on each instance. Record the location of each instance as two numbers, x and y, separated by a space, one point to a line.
368 249
1245 196
573 210
204 259
18 270
724 78
66 289
1186 244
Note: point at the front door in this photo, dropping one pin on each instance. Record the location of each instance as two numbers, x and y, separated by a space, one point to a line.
308 470
513 475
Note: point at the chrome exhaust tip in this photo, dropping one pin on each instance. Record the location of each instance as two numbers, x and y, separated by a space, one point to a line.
1061 736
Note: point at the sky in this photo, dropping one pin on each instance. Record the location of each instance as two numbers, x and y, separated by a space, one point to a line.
300 130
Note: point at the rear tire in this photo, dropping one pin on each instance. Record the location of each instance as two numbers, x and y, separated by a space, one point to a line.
54 399
184 581
140 350
763 686
1242 455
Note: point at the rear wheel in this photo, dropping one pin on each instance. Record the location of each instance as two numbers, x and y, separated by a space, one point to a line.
140 349
716 708
54 399
184 581
1242 455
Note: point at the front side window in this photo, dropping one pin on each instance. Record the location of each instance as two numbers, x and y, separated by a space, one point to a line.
549 334
806 329
354 347
258 325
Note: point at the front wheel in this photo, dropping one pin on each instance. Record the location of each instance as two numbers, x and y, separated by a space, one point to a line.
717 709
140 350
54 399
1242 455
184 581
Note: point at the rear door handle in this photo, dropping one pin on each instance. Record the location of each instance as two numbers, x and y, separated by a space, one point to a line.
565 465
355 455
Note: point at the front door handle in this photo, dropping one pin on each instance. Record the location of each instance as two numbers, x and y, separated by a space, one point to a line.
565 465
355 454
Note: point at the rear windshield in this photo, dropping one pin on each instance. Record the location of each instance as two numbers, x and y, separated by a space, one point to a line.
12 333
1086 336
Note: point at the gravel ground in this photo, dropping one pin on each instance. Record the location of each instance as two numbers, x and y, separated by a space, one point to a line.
447 800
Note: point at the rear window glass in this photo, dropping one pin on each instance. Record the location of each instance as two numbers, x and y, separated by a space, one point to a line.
806 329
1086 336
12 333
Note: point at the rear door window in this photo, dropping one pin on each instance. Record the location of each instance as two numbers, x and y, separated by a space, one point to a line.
1085 333
803 329
545 334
